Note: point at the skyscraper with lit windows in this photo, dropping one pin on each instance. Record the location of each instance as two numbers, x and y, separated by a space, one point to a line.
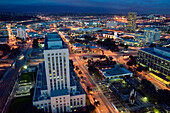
131 21
57 86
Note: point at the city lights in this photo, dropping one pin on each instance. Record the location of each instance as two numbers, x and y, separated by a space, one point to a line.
82 56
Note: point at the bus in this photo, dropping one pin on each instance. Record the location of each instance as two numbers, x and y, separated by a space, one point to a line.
115 108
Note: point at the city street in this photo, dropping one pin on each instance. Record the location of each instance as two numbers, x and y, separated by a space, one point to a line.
9 85
105 105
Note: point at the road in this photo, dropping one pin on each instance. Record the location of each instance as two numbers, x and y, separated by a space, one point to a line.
105 105
8 86
119 57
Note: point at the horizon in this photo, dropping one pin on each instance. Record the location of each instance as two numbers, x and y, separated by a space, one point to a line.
88 6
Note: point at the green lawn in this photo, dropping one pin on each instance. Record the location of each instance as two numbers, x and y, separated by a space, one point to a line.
27 76
17 102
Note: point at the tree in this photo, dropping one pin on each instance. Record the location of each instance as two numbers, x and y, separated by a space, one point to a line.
145 68
131 57
102 52
162 96
126 47
5 47
110 58
129 63
80 72
139 69
77 68
114 62
84 57
152 45
89 62
35 43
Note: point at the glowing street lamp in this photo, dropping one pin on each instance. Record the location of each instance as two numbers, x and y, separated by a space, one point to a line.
145 99
25 67
156 110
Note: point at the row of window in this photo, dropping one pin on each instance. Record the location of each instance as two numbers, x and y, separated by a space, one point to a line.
56 54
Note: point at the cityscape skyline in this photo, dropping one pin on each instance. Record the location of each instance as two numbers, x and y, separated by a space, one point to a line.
84 56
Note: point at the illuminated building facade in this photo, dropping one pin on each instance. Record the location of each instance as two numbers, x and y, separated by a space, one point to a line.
21 33
152 34
157 60
131 21
57 87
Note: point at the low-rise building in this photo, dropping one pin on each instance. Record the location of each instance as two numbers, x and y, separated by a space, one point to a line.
115 73
77 47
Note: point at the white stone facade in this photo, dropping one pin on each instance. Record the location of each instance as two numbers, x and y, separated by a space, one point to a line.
53 90
21 33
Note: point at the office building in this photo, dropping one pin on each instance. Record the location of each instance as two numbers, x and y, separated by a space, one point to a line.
57 88
152 35
21 33
157 60
131 26
111 24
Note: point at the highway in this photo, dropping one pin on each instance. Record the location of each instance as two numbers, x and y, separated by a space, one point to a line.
9 85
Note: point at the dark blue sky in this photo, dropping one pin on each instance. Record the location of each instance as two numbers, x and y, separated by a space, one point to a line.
141 6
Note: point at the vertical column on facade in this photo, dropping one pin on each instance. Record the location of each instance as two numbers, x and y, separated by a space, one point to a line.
59 85
63 71
51 72
57 68
59 108
76 102
55 71
79 103
48 108
62 108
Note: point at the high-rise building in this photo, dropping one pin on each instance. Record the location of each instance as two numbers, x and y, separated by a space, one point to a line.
152 34
21 33
131 21
57 86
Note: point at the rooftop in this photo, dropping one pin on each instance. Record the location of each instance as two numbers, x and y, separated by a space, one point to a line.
74 80
115 71
151 28
161 52
61 92
78 45
54 41
54 36
41 83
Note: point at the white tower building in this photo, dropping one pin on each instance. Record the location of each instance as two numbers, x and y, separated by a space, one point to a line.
57 86
21 33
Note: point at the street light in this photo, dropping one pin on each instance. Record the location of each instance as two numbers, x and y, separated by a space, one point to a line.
145 99
25 67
